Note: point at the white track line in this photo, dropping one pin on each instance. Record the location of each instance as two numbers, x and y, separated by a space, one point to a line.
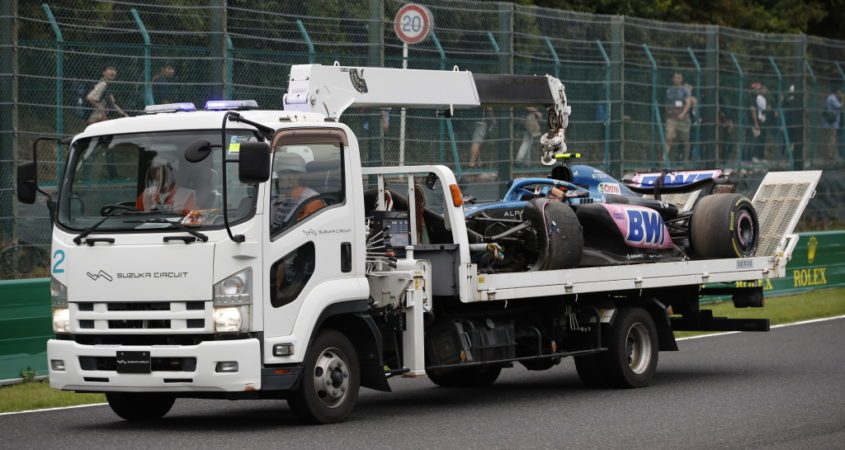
825 319
679 339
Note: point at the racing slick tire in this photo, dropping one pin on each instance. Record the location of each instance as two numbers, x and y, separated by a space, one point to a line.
724 226
559 235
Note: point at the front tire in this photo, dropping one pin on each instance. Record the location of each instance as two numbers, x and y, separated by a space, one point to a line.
330 380
140 406
631 357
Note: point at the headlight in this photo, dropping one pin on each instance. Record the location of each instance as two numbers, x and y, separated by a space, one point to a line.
233 303
235 289
58 293
61 320
229 319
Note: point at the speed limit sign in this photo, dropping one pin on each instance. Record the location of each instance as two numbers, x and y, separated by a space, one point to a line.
413 23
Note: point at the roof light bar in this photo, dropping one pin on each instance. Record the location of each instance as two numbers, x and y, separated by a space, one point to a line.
169 108
223 105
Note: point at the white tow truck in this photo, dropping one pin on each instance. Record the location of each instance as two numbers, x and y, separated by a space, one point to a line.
182 268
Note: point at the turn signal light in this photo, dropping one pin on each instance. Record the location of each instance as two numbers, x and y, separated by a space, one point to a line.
457 197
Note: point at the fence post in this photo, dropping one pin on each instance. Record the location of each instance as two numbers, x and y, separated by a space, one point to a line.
506 24
711 78
607 104
148 88
781 116
60 76
217 26
810 99
446 121
655 108
8 111
375 58
696 149
229 70
617 56
740 116
308 43
841 128
555 58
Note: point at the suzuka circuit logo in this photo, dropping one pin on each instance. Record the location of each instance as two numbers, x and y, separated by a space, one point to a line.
100 274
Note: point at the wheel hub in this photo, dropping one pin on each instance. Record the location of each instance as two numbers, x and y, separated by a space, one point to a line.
638 348
331 377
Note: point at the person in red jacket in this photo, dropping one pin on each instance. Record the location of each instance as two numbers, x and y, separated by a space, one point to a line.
162 193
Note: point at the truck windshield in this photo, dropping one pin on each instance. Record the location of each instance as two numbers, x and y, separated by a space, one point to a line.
148 172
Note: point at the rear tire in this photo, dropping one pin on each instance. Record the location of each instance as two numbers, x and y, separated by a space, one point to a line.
631 357
140 406
330 380
558 234
724 226
589 371
478 376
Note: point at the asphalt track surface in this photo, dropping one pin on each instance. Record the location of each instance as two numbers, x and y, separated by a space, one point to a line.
782 389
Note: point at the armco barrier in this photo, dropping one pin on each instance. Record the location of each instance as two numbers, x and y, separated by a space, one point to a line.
24 326
818 262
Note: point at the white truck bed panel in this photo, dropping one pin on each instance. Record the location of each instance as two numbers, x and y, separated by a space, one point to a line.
506 286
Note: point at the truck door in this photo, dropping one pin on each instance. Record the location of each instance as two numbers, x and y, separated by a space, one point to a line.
310 235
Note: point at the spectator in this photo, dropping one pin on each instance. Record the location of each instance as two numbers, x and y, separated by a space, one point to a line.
832 118
100 98
479 133
677 116
161 84
529 137
761 125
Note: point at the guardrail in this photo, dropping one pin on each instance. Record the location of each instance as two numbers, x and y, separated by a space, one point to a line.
818 262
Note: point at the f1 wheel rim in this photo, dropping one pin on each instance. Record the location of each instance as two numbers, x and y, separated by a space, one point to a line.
638 348
331 378
745 230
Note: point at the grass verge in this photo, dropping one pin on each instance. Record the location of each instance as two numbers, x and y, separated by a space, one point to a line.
786 309
38 395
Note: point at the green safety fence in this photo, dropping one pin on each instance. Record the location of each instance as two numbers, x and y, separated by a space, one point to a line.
818 262
617 70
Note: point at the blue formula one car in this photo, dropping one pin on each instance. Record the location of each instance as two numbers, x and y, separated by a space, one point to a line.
580 216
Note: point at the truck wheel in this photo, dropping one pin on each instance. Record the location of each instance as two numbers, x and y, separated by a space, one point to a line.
724 226
138 406
558 234
631 357
589 371
478 376
330 380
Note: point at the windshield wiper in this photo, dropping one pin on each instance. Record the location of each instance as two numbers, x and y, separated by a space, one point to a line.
113 213
179 226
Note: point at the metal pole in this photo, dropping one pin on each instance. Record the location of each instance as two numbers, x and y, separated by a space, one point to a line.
696 151
809 114
230 48
607 103
60 76
8 112
841 131
402 111
740 119
555 58
148 88
312 52
443 120
655 107
781 116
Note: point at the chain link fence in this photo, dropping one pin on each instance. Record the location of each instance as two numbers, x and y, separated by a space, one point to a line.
617 71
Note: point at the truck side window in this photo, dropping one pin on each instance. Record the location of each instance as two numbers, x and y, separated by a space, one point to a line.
306 179
289 275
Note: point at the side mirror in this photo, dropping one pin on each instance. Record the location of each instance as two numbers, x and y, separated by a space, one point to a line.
198 151
27 185
254 162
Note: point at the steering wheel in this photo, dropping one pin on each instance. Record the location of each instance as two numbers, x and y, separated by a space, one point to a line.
108 209
327 199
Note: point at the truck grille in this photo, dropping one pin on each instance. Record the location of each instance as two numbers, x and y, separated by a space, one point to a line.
107 363
151 317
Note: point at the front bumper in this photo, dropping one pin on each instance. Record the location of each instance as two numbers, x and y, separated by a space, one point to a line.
202 378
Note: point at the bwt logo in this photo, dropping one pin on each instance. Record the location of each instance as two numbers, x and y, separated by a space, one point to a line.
676 179
645 227
98 275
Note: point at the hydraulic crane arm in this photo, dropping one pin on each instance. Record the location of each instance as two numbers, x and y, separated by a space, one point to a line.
330 90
